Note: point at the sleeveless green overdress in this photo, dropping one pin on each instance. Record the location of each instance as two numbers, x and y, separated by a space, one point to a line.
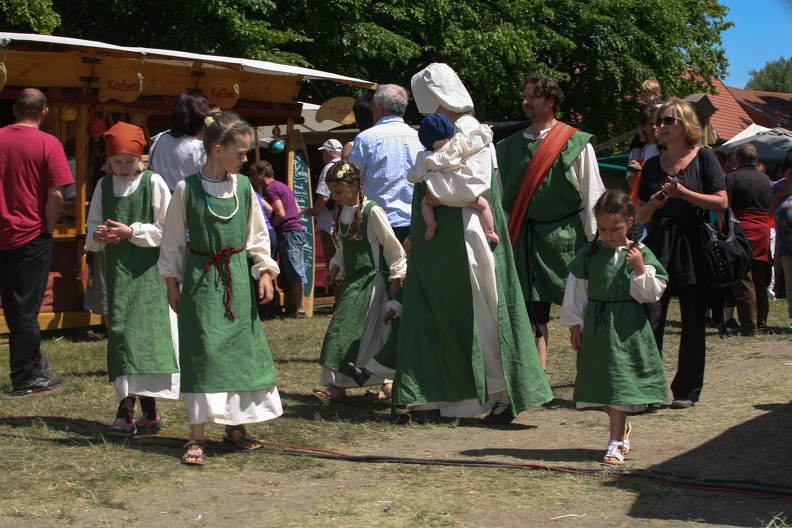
139 337
219 353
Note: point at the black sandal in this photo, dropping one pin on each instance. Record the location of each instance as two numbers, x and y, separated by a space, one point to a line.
360 375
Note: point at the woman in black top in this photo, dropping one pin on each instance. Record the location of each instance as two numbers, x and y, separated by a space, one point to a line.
676 190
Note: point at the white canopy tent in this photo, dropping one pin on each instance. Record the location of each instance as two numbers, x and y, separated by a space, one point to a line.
752 130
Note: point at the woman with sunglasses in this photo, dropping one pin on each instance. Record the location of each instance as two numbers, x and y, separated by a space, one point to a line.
676 189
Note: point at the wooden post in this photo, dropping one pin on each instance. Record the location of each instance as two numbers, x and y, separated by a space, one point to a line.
81 178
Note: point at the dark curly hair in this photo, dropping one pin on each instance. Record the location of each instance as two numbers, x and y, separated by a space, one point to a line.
188 112
545 86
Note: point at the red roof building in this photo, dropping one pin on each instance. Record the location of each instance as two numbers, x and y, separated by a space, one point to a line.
769 109
731 118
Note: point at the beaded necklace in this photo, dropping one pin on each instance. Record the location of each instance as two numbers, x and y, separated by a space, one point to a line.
349 226
201 179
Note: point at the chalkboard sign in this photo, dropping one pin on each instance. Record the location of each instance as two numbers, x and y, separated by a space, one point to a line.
300 182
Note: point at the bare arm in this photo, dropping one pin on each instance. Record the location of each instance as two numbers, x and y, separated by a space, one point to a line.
267 207
321 201
278 213
54 208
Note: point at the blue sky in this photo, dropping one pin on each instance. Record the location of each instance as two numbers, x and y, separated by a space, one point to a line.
762 33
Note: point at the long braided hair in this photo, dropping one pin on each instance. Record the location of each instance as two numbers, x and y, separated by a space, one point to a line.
618 202
348 173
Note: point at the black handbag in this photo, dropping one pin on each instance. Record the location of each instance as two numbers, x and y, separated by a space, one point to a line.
725 255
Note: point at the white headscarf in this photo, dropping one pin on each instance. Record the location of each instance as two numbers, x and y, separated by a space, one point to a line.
439 85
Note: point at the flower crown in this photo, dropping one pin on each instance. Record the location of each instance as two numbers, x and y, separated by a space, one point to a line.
208 121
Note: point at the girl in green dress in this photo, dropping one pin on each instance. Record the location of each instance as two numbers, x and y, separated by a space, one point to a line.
370 255
125 221
619 367
228 376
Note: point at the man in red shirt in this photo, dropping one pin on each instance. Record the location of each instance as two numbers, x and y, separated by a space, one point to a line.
33 173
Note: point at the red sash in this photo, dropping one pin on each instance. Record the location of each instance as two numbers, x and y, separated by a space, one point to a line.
637 181
541 162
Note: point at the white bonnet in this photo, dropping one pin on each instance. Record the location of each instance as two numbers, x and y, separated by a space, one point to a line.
439 85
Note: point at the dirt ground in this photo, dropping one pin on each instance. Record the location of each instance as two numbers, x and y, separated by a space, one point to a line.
738 435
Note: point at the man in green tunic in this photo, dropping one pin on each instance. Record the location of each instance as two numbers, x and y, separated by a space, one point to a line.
558 219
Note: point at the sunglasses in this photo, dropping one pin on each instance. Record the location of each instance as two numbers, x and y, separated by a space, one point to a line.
667 121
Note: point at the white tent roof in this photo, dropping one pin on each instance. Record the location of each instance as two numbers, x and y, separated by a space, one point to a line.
166 56
310 125
748 132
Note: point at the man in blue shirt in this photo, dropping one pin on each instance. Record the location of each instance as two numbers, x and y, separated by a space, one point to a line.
385 153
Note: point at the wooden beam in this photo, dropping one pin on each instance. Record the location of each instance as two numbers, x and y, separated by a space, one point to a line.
616 140
60 320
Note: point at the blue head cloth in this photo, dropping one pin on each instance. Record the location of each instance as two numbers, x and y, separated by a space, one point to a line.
433 128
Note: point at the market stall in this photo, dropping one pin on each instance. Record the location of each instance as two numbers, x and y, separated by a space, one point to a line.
90 85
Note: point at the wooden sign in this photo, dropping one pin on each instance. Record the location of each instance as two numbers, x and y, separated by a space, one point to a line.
3 76
121 84
299 179
338 109
223 92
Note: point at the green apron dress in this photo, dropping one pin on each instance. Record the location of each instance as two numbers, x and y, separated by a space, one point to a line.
139 337
552 230
619 363
439 354
342 341
220 352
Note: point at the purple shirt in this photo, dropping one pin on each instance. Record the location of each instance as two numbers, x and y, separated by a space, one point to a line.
280 191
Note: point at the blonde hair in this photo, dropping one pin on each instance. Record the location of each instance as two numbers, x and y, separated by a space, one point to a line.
651 86
684 112
106 168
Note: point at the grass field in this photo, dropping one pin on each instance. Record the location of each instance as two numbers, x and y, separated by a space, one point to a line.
58 468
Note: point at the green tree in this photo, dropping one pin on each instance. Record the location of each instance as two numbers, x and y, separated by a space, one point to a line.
599 50
28 15
775 76
237 28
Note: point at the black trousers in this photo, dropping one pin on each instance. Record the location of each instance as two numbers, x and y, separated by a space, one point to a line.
689 378
401 233
23 278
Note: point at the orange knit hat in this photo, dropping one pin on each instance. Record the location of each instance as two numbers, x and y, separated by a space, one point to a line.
123 138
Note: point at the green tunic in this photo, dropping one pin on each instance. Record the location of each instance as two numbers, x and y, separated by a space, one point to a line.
342 340
439 354
218 353
619 363
552 231
139 338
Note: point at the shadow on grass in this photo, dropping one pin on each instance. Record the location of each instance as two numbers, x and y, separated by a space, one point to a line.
535 456
75 426
754 455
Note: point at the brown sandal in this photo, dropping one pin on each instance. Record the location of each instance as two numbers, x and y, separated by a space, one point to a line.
194 456
330 393
383 395
242 439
